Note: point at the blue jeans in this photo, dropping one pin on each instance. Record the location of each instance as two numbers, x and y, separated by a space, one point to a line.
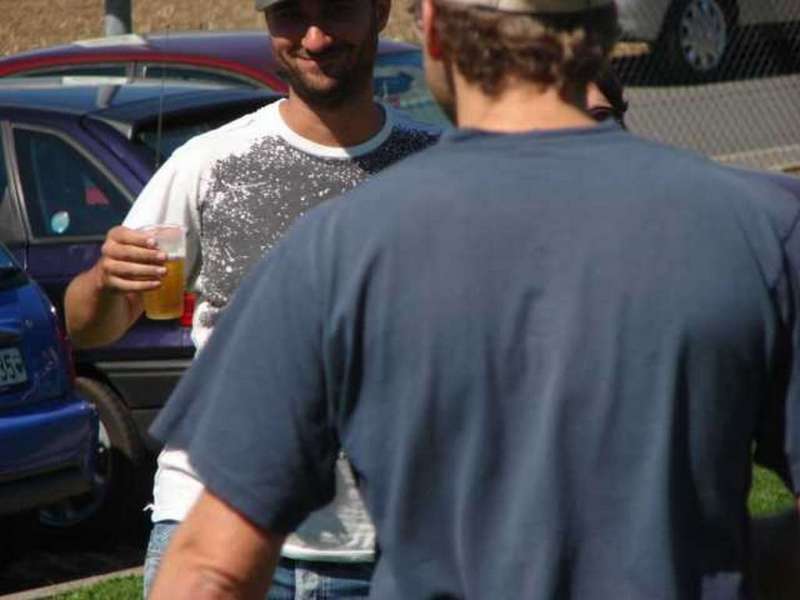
293 579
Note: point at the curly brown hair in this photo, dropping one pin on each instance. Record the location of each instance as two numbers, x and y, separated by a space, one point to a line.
488 47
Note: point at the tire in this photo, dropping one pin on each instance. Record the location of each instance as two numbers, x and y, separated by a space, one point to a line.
115 503
696 39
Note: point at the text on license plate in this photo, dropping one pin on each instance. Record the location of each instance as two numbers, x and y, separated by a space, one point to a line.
12 367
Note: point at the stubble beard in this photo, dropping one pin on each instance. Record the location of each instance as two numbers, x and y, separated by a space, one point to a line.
349 83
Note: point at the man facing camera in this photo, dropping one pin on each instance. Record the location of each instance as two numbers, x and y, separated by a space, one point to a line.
548 350
235 190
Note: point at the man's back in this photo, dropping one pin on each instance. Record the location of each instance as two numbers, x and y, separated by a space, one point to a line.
564 356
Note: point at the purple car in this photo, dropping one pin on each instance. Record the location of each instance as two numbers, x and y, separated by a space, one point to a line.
74 158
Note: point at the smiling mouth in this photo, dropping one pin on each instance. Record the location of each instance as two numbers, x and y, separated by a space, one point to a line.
322 58
322 66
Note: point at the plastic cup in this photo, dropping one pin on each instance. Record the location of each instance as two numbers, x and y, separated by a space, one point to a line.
166 301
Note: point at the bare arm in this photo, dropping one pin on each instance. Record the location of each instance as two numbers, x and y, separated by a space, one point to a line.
102 303
217 554
776 542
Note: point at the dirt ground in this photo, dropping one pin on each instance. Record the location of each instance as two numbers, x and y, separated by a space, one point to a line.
28 24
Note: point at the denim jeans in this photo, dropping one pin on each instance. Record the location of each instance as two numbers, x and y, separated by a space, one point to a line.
320 580
293 579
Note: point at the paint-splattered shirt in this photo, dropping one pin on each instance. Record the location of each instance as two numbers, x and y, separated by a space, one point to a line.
236 190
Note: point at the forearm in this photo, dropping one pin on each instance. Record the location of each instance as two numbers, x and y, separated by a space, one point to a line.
96 316
188 577
217 554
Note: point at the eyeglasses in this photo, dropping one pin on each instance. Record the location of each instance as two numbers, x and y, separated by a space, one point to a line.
604 113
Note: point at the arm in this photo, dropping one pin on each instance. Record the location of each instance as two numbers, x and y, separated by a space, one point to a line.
217 553
102 303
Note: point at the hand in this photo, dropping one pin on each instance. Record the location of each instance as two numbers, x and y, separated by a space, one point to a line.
129 262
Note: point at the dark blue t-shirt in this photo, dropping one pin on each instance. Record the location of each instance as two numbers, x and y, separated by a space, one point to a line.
547 356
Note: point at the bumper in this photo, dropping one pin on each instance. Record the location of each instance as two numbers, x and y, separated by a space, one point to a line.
48 455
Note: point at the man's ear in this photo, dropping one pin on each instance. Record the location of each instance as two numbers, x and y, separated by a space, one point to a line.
382 10
430 34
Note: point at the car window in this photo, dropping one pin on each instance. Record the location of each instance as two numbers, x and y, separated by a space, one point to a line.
5 258
158 71
114 70
173 136
399 81
65 194
177 131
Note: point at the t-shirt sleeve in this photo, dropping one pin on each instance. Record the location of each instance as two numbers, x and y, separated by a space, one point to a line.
172 196
252 411
778 443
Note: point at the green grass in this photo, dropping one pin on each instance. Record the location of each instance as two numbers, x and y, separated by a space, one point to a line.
768 496
121 588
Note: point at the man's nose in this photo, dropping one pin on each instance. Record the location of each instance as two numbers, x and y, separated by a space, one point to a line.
316 39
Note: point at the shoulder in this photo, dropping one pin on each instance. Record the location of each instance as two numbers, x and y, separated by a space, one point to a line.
235 137
405 127
751 205
703 181
775 194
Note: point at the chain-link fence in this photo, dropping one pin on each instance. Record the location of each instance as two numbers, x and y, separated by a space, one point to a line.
718 76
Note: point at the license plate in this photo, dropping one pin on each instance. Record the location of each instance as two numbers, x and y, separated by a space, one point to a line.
12 367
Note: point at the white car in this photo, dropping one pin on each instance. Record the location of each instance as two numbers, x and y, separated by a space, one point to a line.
693 37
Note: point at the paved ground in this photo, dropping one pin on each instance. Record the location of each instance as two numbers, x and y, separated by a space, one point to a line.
31 559
752 123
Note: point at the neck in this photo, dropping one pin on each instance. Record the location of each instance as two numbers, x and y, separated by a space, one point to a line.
520 107
348 124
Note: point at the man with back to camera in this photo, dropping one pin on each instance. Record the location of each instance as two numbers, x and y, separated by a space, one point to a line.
547 350
235 190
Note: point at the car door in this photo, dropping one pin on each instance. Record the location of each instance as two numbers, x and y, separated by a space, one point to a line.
66 200
70 188
12 230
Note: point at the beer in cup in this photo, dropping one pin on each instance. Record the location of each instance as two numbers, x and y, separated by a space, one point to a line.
166 301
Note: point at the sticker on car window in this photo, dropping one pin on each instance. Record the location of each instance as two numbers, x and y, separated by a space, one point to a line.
59 222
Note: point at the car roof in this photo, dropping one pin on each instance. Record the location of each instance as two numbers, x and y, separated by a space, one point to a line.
120 103
248 48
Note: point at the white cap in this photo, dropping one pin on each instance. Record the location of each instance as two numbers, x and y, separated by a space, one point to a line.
534 6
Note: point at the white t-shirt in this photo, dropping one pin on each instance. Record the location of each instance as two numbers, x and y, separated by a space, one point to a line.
236 189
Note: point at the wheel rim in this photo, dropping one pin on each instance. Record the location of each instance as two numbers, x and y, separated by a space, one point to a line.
72 511
703 34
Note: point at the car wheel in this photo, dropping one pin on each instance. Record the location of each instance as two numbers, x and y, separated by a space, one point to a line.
696 37
120 460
